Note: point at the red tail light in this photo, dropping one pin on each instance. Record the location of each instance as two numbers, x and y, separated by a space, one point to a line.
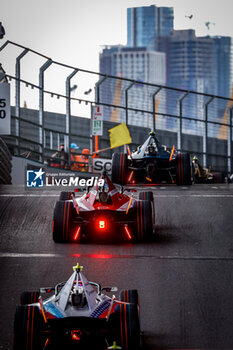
76 334
127 232
76 236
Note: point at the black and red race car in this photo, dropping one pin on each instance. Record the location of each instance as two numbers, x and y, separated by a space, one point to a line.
103 213
152 163
77 315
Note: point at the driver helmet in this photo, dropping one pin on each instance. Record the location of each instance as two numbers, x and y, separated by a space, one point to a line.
195 159
78 297
152 149
103 193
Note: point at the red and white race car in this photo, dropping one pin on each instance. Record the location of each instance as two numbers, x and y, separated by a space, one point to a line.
77 315
103 213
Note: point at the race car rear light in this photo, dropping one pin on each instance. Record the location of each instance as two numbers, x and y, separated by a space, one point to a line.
47 342
130 176
128 149
102 224
76 334
172 152
76 236
127 232
148 179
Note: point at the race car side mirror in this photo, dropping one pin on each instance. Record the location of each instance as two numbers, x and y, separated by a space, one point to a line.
109 289
47 290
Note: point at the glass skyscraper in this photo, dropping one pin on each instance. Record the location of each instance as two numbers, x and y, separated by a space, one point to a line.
136 63
145 24
224 64
189 60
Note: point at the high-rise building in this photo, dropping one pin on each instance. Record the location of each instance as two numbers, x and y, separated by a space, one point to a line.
190 59
136 63
224 64
145 24
190 66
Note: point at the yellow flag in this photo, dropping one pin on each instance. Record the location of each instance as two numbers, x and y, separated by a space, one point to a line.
119 136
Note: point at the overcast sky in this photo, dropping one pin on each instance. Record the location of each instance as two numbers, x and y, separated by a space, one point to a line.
73 31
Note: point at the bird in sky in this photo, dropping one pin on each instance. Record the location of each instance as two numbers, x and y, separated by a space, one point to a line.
190 17
208 24
87 92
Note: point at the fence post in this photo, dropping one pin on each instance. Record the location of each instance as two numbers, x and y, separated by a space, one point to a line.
68 114
41 105
154 107
126 109
51 140
180 121
17 97
126 102
205 137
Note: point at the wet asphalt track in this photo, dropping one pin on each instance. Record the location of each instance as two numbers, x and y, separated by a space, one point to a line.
184 278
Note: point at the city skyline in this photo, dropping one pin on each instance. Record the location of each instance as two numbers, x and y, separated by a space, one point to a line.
68 36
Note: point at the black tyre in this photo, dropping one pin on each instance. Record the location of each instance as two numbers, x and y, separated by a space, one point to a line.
129 296
27 325
218 178
119 168
144 220
29 297
65 196
63 216
146 196
129 327
183 169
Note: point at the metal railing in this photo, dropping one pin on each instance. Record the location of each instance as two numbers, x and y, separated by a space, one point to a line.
187 114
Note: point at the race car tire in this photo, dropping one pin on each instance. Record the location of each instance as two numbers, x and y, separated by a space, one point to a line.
218 178
27 324
183 169
63 221
65 196
144 220
129 327
146 196
129 296
29 297
119 168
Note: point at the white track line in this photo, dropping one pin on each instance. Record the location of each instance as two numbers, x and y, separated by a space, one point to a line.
29 195
27 255
156 195
116 256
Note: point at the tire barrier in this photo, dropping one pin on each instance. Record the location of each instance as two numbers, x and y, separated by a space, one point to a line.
5 163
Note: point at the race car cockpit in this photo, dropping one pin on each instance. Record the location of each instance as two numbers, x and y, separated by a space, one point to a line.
103 193
78 297
152 149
